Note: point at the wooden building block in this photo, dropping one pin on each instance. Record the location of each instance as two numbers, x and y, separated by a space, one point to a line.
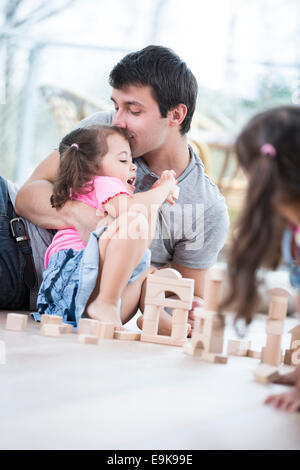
254 354
179 316
287 357
271 354
183 288
52 330
105 330
188 349
278 308
238 348
161 339
192 350
295 334
50 319
179 331
266 373
65 328
213 289
150 327
16 321
151 312
127 335
274 327
214 358
88 339
279 292
87 326
172 303
168 272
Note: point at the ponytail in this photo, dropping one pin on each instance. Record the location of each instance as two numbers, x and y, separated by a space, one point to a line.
256 240
74 172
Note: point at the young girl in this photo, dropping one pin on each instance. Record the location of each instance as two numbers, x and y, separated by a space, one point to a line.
96 168
268 149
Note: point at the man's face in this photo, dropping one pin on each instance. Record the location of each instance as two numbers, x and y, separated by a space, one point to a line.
138 112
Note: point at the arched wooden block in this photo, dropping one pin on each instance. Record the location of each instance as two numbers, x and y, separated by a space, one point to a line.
168 272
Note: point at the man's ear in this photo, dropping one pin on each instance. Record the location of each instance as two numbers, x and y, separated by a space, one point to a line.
177 114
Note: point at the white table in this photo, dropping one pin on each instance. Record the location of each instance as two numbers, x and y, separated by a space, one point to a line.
59 394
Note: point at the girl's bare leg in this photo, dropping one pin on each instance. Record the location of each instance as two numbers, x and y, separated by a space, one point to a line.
120 253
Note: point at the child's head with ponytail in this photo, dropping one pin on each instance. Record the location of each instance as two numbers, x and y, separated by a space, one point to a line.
268 150
80 152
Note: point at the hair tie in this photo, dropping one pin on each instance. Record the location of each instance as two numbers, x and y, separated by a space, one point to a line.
268 149
75 145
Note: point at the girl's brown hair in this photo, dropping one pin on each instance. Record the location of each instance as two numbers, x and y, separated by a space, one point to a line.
80 151
272 180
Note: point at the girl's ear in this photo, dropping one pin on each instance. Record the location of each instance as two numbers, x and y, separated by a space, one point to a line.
177 115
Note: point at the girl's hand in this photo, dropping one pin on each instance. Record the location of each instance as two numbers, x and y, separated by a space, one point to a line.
168 179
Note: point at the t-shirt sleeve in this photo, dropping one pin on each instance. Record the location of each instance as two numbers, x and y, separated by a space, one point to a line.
204 239
107 188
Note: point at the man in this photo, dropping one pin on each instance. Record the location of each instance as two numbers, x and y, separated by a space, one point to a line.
154 95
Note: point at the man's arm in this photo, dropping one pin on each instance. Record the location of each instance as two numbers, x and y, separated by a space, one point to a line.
33 202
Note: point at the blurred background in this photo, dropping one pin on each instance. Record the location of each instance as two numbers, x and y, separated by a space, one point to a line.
56 56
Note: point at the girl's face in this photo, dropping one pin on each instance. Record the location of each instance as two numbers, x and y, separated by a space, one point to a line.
117 162
291 212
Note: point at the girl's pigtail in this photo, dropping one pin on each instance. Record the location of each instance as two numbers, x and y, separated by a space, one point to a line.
253 243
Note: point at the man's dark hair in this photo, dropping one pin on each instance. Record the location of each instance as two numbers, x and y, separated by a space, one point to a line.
170 79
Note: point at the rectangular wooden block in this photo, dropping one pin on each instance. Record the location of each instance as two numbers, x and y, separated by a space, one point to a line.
88 339
271 356
179 331
16 321
266 373
127 335
151 312
254 354
274 327
161 339
52 330
188 349
238 348
51 319
278 308
105 330
87 326
179 316
214 358
206 356
172 303
150 326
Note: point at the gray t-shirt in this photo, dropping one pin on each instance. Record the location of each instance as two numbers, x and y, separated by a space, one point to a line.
192 232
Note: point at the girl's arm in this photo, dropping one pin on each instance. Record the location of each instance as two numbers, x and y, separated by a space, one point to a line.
146 202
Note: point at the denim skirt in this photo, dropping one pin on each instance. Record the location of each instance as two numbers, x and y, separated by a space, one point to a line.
70 278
